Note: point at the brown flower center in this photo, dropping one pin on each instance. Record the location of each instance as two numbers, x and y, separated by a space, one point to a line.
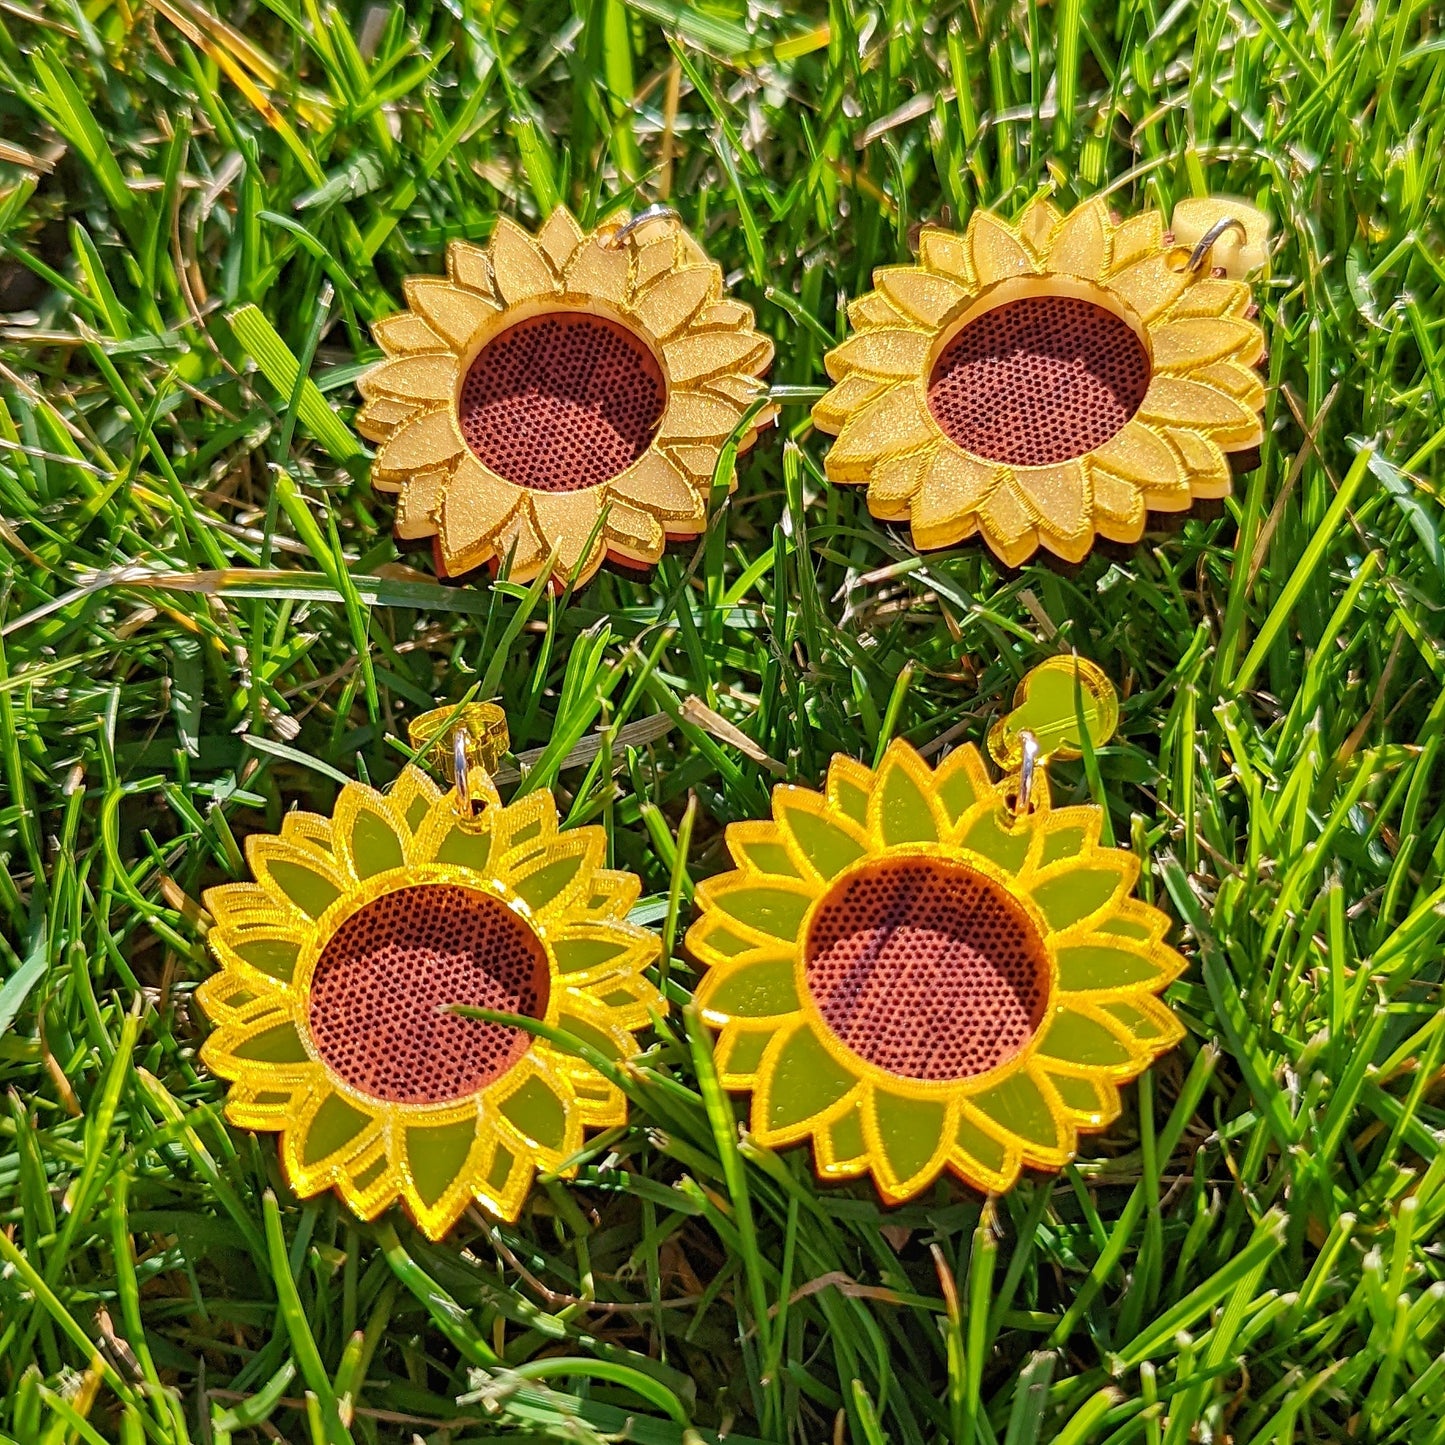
562 401
382 981
926 968
1039 380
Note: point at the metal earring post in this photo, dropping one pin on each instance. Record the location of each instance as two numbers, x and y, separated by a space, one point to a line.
1028 769
1205 244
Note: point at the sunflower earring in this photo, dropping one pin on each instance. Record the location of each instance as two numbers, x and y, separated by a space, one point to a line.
1043 382
922 969
344 964
565 396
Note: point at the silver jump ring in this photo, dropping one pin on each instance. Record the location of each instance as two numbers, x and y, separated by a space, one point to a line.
1205 244
652 213
461 770
1027 770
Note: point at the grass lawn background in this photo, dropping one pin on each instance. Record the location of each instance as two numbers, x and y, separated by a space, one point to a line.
206 621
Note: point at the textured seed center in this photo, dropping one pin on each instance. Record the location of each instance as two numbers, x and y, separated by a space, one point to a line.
1039 380
562 401
928 969
379 988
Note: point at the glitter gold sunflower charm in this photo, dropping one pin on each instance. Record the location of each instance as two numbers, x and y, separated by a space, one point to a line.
1042 382
339 966
570 390
919 970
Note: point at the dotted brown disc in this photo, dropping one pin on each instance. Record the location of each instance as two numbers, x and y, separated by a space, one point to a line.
1039 380
926 968
562 401
382 979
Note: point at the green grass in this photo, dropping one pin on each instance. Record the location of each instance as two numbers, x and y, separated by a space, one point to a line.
206 621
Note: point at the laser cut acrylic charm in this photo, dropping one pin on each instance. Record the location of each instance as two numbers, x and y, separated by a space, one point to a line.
923 969
1039 383
338 964
570 391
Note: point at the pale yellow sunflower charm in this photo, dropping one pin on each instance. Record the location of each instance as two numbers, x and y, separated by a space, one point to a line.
1041 383
343 964
921 969
567 391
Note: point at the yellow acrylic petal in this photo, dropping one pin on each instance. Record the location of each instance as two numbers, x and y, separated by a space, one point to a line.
945 253
378 418
887 355
419 504
1024 1109
1060 503
850 785
832 411
1181 346
821 841
897 422
895 482
533 1098
840 1145
1119 507
1200 407
874 310
519 270
955 486
909 1137
762 910
666 307
455 314
995 252
440 1159
559 239
1206 468
568 522
1080 1035
1006 526
757 846
369 832
1139 454
633 534
293 878
903 807
475 506
406 334
658 487
601 272
1149 286
431 441
739 1051
760 986
467 265
1211 296
652 260
1037 224
429 378
691 417
989 1163
961 782
1136 238
1241 382
322 1136
1090 1101
802 1084
1077 892
928 299
725 316
519 546
1080 246
697 355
